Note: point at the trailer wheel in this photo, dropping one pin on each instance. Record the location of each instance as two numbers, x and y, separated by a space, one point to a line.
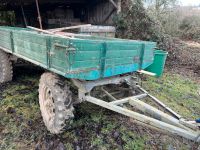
6 69
55 100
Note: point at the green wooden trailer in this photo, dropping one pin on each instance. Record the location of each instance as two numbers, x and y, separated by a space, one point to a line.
86 58
88 65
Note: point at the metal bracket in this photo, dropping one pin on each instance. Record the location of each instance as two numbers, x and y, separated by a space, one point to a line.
69 49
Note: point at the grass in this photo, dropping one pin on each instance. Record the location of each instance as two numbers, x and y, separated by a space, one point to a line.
21 125
178 92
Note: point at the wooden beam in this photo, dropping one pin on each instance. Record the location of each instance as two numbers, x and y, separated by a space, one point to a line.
108 16
48 32
68 28
114 4
23 14
39 15
72 34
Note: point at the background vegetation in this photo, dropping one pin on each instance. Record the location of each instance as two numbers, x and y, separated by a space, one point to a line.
165 22
153 19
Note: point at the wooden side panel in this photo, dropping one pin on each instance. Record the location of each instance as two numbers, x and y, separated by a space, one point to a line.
32 46
94 59
87 55
59 59
127 56
121 58
5 40
87 59
77 58
148 55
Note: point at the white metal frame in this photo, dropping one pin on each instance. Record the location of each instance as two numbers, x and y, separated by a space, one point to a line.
170 122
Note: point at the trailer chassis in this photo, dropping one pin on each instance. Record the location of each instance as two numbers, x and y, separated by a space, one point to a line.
166 120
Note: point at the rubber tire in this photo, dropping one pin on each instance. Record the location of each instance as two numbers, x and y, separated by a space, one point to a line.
6 69
62 102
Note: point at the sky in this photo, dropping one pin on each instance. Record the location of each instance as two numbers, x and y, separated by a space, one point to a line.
190 2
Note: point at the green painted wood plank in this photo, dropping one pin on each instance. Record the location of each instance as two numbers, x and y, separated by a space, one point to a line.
7 33
31 55
121 54
5 44
34 47
5 37
86 55
85 64
87 45
123 46
30 37
119 61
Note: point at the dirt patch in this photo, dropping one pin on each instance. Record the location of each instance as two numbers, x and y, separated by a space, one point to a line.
186 59
186 71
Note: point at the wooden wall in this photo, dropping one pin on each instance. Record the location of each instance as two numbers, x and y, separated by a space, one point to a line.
101 13
97 12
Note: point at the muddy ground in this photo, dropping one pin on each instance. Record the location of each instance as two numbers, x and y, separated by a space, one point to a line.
22 128
185 59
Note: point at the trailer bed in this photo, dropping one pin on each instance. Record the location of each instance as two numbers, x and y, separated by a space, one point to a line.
85 58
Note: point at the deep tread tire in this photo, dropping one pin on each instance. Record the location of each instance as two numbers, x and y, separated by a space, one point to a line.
6 69
62 100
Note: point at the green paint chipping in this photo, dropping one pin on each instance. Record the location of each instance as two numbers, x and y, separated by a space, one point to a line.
177 92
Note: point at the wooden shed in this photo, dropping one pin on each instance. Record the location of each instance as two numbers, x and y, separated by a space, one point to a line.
59 13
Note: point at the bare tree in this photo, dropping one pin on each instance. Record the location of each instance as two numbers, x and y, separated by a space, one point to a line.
159 7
